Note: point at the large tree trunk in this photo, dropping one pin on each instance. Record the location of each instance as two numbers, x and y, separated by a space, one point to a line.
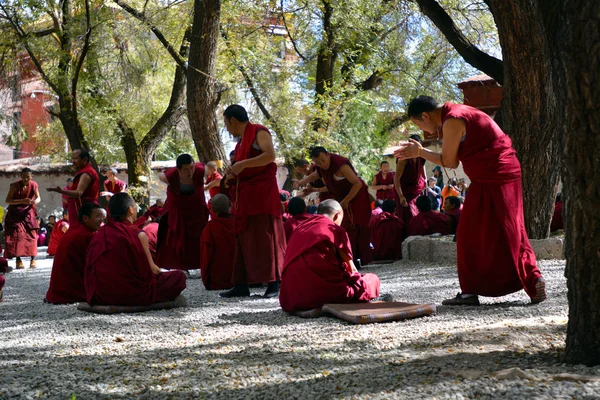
529 111
578 22
326 57
202 98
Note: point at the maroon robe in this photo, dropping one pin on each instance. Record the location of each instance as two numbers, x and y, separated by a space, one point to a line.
257 217
20 224
90 195
314 275
117 271
387 235
213 191
68 267
454 216
358 214
117 187
291 224
153 213
376 211
218 253
557 219
384 194
184 218
428 223
493 251
412 184
56 236
151 230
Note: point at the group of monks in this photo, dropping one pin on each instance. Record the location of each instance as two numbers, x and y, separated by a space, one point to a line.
239 239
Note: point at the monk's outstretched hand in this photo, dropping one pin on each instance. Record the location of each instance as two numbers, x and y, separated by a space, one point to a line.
54 189
407 150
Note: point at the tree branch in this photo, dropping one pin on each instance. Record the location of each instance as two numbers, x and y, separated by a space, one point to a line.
290 34
470 53
157 32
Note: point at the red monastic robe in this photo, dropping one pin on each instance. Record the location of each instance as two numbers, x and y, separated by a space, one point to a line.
184 218
387 234
117 271
117 187
493 251
257 217
218 253
56 236
358 214
68 268
314 275
384 194
151 230
215 190
20 224
412 184
428 223
153 212
90 195
291 224
557 219
454 216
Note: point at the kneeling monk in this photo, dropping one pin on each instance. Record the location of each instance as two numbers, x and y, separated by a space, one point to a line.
387 233
217 246
66 280
297 209
318 266
428 222
119 267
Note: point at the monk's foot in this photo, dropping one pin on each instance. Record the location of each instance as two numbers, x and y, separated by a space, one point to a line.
386 297
20 264
462 300
272 290
32 264
237 291
540 291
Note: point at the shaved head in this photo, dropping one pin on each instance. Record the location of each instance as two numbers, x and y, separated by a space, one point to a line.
220 204
329 208
119 205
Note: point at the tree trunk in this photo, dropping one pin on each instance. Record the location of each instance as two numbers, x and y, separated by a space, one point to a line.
202 99
529 111
326 57
580 59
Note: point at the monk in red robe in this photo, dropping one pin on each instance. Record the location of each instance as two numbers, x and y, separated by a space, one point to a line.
351 192
58 232
298 214
318 265
383 182
150 228
85 184
427 221
387 233
304 168
410 182
153 213
557 218
184 216
453 209
119 269
68 268
493 251
20 224
112 184
65 199
213 179
217 246
257 210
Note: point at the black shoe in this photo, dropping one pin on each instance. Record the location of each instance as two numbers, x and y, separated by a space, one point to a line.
237 291
272 290
459 300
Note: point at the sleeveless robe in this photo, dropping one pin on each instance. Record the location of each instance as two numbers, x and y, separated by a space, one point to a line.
218 253
56 236
412 184
384 194
90 195
20 224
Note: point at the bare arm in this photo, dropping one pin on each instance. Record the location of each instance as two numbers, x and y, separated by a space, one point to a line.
37 197
84 182
346 258
144 240
163 178
307 179
11 194
64 228
347 173
214 183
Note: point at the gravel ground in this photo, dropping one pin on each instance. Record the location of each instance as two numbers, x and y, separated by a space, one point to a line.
251 349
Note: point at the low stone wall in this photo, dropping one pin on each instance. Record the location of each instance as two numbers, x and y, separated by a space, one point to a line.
442 249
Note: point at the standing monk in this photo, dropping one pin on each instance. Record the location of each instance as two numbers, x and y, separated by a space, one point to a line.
493 252
257 210
410 181
351 192
305 168
68 268
184 216
213 179
20 225
84 188
383 182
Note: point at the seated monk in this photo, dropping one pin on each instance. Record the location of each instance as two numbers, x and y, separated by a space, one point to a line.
217 246
387 233
151 230
428 222
58 231
119 269
376 210
68 268
152 214
318 267
298 214
452 208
